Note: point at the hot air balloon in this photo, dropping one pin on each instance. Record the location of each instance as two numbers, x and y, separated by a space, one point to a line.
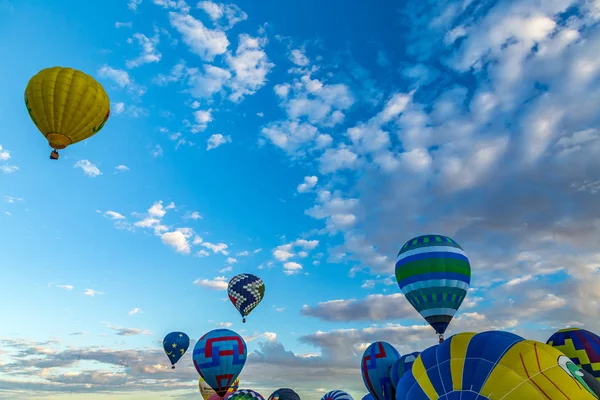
337 395
368 396
434 274
219 357
245 394
495 365
581 346
401 366
206 391
284 394
66 105
377 360
245 292
175 345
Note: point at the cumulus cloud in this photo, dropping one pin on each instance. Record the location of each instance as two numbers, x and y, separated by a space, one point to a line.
88 168
218 12
202 41
308 184
217 140
219 283
149 52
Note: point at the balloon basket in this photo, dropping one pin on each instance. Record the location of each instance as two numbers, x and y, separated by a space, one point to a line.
173 367
54 155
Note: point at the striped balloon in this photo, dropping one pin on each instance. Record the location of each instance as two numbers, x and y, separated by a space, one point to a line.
245 394
400 367
581 346
434 274
337 395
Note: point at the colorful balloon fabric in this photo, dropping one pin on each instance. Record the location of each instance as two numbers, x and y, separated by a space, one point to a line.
337 395
434 274
284 394
377 360
495 365
581 346
219 357
245 291
245 394
214 396
401 366
368 396
175 345
206 391
66 105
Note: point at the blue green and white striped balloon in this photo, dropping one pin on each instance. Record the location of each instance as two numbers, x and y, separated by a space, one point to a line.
434 274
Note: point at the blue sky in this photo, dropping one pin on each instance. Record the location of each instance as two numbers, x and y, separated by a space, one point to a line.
304 143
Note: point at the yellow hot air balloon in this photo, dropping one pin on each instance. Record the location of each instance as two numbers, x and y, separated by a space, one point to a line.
66 105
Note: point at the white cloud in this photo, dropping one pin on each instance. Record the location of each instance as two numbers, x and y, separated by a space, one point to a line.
309 183
250 66
291 136
291 268
149 52
65 287
299 58
4 154
217 140
12 200
231 260
216 248
119 76
121 168
118 108
334 160
202 118
219 283
157 151
217 11
9 169
92 292
195 215
204 42
113 215
123 24
135 311
88 168
133 4
178 239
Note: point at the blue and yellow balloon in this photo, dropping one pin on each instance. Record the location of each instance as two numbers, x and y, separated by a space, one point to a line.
175 345
495 365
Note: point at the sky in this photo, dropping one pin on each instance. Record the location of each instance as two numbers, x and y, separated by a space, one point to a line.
304 142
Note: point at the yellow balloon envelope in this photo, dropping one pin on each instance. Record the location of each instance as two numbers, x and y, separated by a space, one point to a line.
66 105
206 391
